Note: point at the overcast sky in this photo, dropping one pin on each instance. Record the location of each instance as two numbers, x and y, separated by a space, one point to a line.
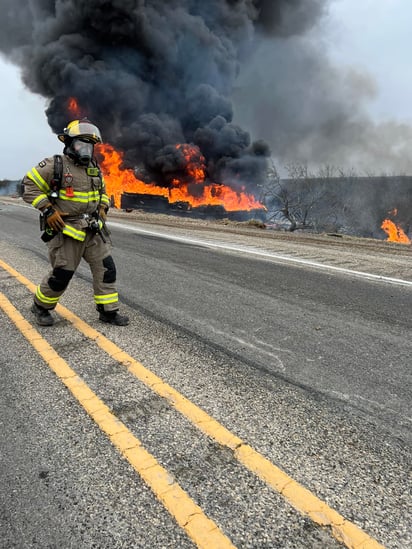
371 35
374 35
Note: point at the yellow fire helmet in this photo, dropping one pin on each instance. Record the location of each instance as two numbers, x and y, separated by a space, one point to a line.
81 128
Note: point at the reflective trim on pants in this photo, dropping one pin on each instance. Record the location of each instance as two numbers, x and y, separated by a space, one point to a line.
106 299
65 254
46 300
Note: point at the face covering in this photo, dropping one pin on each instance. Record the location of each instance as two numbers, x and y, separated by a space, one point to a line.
82 150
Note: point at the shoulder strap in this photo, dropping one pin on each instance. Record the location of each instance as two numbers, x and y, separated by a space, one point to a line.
96 165
56 182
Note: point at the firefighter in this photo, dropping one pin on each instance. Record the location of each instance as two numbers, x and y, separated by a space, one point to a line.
70 193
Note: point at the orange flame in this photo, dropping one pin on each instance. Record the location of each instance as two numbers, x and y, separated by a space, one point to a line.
74 108
195 163
394 232
120 180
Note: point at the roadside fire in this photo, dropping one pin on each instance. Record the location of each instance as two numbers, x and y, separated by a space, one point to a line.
395 232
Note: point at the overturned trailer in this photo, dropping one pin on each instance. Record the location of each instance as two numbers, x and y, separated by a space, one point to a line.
160 204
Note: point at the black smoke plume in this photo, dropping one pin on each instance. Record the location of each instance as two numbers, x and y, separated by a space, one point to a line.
154 73
151 73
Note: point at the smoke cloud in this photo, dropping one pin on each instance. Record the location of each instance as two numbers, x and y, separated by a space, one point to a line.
313 112
152 74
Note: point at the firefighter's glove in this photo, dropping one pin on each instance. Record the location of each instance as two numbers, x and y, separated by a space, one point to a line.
54 219
103 213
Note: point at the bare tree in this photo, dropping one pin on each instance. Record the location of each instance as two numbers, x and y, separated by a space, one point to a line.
305 200
334 200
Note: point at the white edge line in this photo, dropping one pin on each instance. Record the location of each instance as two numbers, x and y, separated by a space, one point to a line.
269 255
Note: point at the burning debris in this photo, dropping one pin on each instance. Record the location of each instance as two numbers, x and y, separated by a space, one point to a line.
189 186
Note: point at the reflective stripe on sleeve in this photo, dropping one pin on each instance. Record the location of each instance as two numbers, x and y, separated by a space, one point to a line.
37 179
105 200
38 199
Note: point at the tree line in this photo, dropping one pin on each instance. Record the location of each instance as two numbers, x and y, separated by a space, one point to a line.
332 200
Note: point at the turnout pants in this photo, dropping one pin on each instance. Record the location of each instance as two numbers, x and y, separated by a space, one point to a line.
65 254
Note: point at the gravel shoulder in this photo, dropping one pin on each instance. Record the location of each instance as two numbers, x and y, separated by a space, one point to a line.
369 255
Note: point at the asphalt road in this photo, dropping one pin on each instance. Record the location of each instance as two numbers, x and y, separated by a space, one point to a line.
309 366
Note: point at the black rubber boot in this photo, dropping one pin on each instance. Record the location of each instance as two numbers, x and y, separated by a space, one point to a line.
113 317
43 316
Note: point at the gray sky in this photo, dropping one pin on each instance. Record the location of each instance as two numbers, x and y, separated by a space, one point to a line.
370 35
380 47
26 137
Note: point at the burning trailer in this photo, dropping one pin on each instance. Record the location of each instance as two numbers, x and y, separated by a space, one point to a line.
184 191
160 204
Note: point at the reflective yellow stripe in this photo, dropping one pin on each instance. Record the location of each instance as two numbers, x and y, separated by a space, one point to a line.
46 300
38 199
106 299
38 180
105 200
84 198
74 233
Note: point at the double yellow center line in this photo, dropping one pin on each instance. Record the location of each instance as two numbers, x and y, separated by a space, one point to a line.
202 530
